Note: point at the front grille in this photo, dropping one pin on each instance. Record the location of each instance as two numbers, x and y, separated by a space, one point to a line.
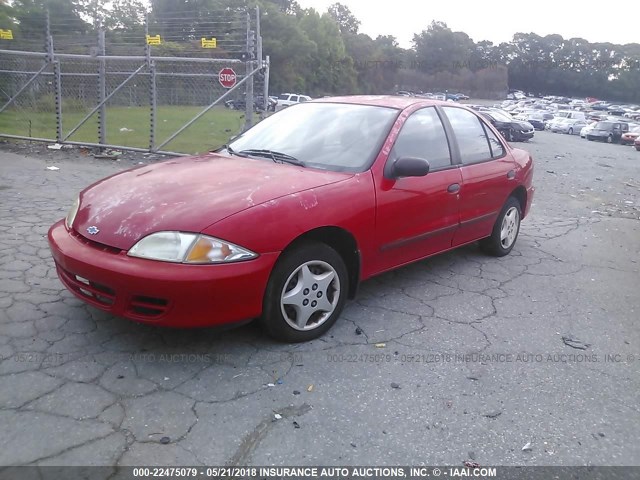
93 244
148 307
92 292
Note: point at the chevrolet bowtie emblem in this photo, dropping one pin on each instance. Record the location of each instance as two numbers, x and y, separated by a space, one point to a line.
92 230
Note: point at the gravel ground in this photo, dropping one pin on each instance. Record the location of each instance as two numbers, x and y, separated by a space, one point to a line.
460 357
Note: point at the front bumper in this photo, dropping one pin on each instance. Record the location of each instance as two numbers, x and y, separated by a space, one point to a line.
591 136
162 293
521 135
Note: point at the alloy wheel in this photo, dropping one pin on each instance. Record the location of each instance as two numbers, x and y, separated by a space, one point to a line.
310 295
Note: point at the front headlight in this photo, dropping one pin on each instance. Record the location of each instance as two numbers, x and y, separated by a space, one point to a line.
71 216
194 248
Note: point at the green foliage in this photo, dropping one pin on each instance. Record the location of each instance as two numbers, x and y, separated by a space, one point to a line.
323 53
342 15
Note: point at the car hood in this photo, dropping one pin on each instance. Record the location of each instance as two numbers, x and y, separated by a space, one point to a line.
186 194
525 125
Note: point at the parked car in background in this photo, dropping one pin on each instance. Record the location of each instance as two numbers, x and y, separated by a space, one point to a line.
586 129
570 126
284 222
538 120
637 144
616 110
608 131
287 99
571 114
511 129
240 104
629 138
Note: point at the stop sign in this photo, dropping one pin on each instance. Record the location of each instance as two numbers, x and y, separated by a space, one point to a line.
227 77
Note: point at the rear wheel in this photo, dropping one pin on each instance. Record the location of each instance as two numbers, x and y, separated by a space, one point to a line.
570 131
610 139
306 293
505 230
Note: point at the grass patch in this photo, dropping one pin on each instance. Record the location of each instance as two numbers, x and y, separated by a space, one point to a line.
210 131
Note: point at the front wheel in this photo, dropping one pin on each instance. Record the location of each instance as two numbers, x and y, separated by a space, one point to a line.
505 230
610 139
508 135
571 131
305 294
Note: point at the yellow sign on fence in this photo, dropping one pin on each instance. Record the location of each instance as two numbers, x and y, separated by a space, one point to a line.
153 40
6 34
213 43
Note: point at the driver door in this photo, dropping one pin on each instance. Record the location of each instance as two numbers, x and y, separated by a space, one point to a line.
417 216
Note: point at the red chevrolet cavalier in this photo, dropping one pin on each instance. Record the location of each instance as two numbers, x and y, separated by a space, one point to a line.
285 221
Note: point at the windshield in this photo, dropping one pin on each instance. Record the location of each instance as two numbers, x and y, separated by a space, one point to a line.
330 136
500 117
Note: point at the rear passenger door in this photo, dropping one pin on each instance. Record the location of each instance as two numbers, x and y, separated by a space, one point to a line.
488 174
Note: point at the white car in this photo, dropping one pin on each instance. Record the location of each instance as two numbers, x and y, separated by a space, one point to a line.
586 129
287 99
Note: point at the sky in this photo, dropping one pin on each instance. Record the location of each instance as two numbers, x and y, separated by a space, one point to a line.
490 20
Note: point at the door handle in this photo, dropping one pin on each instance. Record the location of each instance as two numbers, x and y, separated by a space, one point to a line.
511 174
453 188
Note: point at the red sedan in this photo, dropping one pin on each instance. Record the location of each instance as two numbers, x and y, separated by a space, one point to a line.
284 222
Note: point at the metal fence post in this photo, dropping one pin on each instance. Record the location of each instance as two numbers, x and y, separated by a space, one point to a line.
153 92
102 89
153 100
57 85
248 120
265 93
267 66
57 79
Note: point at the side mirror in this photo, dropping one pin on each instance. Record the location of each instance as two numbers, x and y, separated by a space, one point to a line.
410 167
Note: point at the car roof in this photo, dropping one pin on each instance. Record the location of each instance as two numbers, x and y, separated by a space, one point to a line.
390 101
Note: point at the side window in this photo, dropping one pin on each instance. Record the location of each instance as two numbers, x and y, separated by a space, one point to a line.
294 98
473 141
423 136
497 148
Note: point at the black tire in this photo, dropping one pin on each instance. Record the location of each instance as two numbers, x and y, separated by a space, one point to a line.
273 317
493 245
509 136
610 139
570 131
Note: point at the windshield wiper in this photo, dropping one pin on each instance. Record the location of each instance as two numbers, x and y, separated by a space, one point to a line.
232 151
277 157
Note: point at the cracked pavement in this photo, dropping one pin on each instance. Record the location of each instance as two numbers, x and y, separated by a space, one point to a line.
459 357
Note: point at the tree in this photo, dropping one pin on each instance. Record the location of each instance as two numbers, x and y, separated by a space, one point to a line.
438 48
6 16
330 68
346 20
65 17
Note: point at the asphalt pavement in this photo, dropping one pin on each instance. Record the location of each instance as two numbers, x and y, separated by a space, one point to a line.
461 357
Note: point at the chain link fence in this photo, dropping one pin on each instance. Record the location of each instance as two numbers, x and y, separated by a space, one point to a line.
178 85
